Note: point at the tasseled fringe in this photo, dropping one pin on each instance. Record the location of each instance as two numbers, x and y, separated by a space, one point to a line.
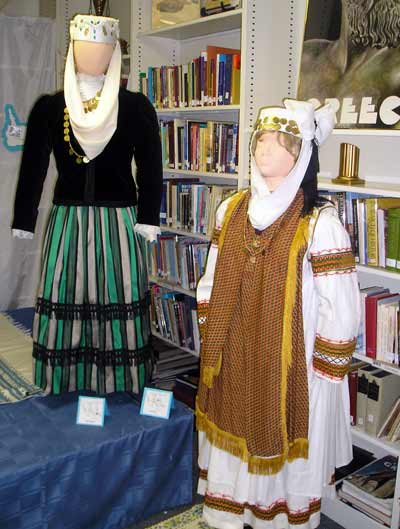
91 311
237 446
299 240
208 373
234 201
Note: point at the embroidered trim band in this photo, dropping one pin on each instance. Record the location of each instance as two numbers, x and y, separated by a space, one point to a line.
92 311
333 358
333 263
63 357
266 514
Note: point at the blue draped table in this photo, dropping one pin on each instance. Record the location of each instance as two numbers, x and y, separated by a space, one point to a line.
55 474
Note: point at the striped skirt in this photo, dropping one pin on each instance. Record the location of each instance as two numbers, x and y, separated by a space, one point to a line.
91 327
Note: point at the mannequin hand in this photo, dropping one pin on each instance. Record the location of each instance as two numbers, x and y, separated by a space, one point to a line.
21 234
148 231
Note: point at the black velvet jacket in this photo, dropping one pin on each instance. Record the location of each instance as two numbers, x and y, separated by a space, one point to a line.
105 181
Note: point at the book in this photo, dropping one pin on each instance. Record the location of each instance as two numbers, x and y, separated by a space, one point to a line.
374 484
393 238
361 458
371 304
383 390
362 393
364 293
235 88
364 507
353 385
390 420
212 52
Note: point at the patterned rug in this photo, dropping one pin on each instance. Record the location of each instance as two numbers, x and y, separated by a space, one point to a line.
190 519
15 361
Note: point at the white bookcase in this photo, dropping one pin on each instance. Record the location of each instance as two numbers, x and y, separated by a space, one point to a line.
368 276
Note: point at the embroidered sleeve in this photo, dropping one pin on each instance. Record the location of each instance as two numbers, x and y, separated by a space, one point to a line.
335 280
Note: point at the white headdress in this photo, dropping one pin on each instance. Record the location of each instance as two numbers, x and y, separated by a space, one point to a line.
300 119
93 130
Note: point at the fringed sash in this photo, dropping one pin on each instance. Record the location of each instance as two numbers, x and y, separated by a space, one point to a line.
253 394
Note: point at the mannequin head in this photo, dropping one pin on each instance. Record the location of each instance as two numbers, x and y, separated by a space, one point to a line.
93 39
92 58
275 154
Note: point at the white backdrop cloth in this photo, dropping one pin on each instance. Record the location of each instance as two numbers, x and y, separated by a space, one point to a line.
27 70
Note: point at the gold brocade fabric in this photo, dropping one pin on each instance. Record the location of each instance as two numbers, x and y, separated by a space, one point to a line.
253 393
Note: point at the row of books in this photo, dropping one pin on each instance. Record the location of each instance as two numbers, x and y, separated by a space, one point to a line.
374 227
191 206
371 489
179 260
200 145
379 330
211 79
375 401
174 317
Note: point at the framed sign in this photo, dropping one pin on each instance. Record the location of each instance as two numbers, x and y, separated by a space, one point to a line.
351 59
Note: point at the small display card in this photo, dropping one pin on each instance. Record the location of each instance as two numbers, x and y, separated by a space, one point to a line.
91 411
157 403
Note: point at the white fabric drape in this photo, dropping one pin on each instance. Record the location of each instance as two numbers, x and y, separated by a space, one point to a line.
27 70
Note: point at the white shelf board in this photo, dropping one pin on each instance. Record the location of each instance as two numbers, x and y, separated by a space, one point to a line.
378 271
167 340
222 176
366 132
171 286
196 110
178 231
372 443
197 28
371 188
347 516
378 363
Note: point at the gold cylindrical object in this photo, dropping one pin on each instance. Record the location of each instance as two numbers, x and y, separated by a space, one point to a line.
348 165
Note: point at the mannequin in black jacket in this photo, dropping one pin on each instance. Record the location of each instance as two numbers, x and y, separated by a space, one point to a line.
91 324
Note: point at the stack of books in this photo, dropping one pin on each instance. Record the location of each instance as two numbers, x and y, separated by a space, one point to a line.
371 489
172 363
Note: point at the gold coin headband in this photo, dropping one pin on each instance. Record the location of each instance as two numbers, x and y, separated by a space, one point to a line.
279 124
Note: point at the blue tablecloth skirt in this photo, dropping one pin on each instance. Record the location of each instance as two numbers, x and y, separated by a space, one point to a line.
55 474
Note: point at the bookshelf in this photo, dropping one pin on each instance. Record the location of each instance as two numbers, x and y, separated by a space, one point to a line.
270 36
249 29
368 276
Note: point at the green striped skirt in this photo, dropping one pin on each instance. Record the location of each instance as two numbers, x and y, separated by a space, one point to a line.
91 328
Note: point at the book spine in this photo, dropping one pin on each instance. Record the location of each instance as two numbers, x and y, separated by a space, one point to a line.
393 234
372 231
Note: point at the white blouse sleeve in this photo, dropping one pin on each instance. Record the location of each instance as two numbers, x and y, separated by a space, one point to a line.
335 280
205 284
